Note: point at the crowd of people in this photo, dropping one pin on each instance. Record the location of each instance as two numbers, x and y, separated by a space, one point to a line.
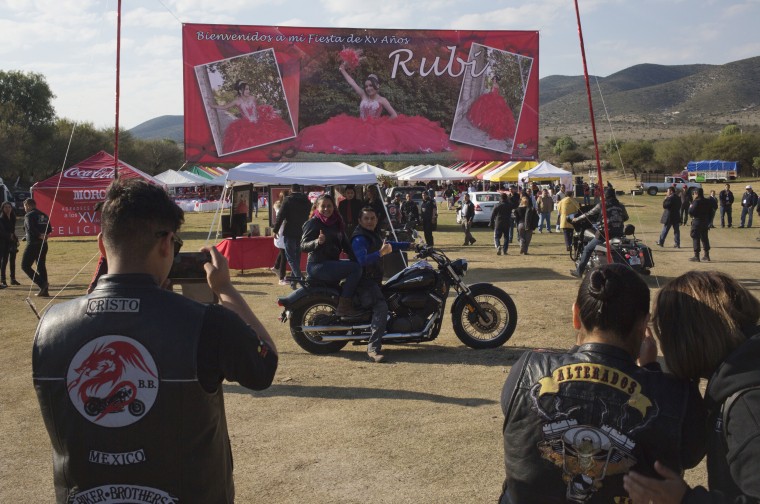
600 422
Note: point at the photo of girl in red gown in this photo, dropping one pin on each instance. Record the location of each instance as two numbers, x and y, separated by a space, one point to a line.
379 129
491 99
490 113
258 124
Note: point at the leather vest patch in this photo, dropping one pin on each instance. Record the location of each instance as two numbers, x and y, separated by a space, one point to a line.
112 381
122 493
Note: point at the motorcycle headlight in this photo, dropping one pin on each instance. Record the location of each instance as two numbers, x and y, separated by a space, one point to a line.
459 266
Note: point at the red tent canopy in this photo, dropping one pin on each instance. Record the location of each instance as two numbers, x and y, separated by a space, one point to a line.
80 187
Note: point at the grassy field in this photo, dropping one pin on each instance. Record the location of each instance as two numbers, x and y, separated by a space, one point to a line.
425 427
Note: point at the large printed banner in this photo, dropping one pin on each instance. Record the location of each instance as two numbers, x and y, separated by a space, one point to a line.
264 93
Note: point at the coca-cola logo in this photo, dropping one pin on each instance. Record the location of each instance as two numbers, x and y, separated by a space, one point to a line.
82 174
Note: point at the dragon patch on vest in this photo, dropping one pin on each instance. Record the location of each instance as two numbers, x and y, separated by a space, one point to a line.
112 381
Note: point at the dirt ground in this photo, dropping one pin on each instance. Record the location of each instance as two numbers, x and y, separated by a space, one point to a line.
423 428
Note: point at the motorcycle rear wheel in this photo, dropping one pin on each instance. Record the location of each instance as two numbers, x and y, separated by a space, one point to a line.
308 314
472 330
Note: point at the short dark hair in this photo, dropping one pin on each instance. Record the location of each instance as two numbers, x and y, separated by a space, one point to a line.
134 212
295 188
613 298
30 202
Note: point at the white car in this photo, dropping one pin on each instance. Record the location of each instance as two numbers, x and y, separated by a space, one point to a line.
484 203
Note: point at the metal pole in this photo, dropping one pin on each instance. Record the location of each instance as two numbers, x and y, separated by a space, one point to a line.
118 68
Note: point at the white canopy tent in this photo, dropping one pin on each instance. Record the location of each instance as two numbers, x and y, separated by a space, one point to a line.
322 174
436 172
547 171
368 168
409 169
172 178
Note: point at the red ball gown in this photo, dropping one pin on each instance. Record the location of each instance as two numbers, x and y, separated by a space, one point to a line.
490 113
264 127
373 133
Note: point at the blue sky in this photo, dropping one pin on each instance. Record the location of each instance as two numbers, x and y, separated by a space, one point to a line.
72 42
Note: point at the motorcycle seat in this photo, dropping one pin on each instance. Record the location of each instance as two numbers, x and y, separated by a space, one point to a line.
313 282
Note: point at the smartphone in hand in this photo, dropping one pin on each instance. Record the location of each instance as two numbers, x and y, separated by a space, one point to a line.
188 267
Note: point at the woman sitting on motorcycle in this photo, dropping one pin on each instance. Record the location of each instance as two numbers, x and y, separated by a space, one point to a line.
369 249
324 239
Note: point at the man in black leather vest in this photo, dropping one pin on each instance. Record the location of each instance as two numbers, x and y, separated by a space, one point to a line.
616 217
577 421
129 377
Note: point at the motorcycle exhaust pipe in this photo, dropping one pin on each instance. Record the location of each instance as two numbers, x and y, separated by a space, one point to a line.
323 328
359 337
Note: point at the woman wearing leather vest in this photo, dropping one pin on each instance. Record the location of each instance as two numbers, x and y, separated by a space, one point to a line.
576 422
324 239
369 249
706 322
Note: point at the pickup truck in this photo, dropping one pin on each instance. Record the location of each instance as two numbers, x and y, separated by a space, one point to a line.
652 185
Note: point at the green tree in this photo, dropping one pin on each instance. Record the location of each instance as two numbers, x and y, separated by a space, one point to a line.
563 144
26 120
635 156
572 156
731 129
740 148
675 153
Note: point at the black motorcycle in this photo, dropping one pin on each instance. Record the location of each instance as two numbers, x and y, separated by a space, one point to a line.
627 250
483 316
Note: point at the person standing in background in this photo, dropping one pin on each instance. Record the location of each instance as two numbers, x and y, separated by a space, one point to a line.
671 217
713 199
686 198
700 220
8 243
468 213
544 205
37 228
501 222
350 208
749 202
294 213
726 199
427 211
567 206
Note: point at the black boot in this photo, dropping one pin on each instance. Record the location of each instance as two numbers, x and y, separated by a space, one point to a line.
695 258
706 256
346 308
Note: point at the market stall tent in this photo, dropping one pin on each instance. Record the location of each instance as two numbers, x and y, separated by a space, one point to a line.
436 172
368 168
173 178
321 174
547 171
69 197
509 172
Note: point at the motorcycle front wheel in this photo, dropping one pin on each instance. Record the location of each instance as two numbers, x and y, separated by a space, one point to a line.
319 310
476 332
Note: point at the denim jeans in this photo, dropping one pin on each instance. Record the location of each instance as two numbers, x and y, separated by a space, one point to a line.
335 271
544 218
676 233
725 212
372 297
745 211
293 254
586 255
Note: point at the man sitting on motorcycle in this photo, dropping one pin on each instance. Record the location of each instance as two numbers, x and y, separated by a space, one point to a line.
616 217
369 249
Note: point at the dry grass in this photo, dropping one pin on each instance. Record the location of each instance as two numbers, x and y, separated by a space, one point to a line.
425 427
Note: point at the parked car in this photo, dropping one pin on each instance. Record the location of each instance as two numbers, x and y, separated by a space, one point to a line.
484 203
416 192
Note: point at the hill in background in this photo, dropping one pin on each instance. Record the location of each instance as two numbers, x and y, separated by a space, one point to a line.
642 101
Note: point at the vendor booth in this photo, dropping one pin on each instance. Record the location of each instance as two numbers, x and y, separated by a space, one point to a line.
548 172
79 188
259 251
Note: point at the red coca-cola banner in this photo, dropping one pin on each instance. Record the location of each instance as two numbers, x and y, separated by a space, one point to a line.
266 93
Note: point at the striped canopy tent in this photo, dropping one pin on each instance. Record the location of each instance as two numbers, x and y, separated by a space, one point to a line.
466 166
457 165
474 167
511 170
485 169
486 175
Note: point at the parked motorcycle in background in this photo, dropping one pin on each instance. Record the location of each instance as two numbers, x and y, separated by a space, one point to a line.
483 316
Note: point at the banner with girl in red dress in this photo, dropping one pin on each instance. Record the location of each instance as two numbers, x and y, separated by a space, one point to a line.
258 93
